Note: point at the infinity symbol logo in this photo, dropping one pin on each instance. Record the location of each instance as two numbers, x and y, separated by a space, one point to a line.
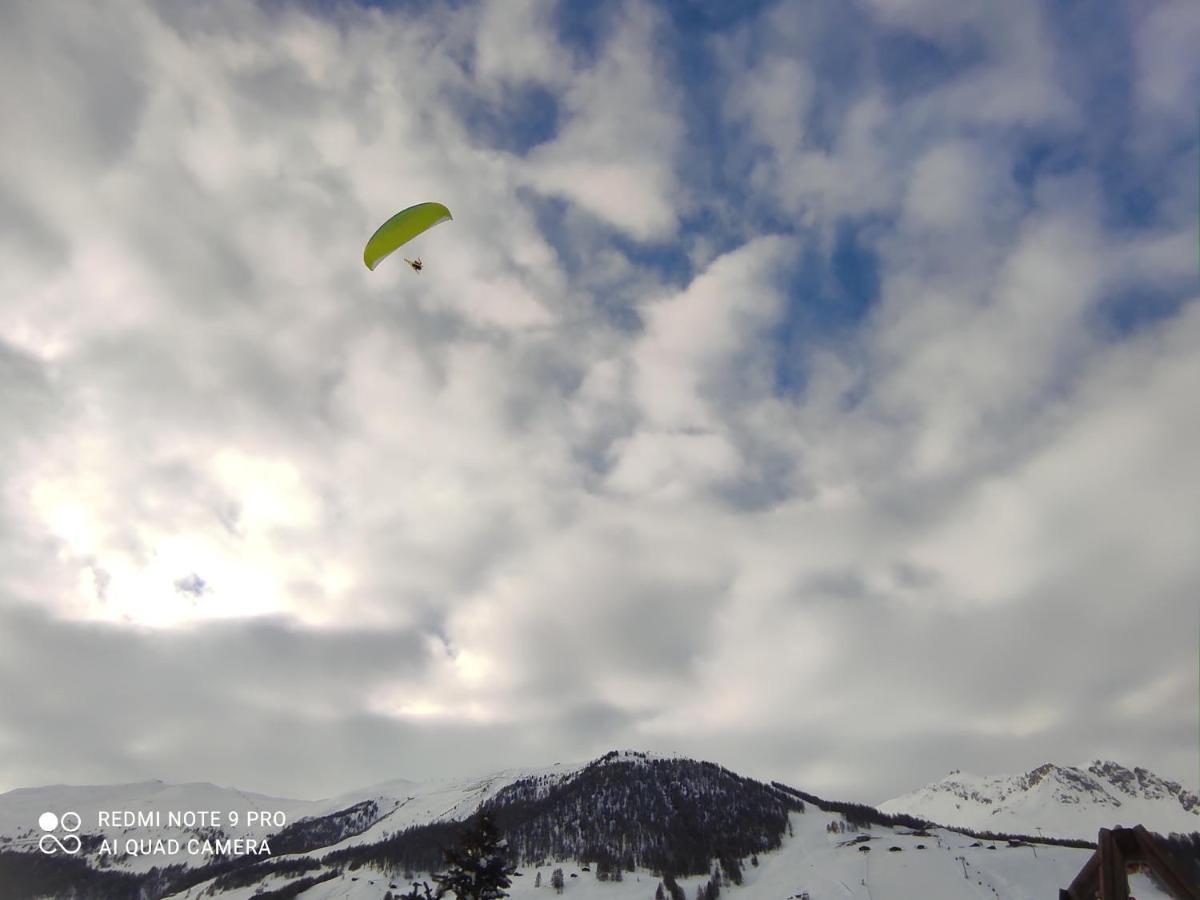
51 843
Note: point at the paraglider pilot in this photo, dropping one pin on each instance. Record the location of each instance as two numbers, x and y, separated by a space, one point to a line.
402 228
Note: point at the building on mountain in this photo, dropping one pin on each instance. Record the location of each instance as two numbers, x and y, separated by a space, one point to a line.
1122 851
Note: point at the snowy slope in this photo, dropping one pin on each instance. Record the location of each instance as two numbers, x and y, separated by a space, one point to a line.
411 803
20 811
452 799
813 860
398 804
933 866
1058 801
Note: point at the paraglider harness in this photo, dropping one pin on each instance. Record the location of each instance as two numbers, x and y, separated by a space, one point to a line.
415 263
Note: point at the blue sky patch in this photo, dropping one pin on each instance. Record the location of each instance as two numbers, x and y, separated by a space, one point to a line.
1126 312
525 116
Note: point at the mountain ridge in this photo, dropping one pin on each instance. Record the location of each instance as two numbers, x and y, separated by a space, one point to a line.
648 815
1051 799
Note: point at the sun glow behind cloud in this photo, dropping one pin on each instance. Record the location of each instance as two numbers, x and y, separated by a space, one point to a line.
141 585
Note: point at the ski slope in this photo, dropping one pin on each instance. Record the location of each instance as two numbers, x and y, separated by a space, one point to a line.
811 859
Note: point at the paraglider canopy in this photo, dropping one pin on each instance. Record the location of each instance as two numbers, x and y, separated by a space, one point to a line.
402 228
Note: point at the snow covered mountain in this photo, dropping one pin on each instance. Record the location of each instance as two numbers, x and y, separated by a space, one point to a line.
1061 801
615 826
133 817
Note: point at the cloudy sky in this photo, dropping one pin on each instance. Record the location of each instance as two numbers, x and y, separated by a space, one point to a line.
806 386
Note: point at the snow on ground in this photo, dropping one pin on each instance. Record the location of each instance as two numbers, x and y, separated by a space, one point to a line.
813 860
826 865
401 804
444 800
1142 888
21 810
1062 801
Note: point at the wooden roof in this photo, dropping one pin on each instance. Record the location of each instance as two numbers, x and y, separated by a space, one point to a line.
1104 876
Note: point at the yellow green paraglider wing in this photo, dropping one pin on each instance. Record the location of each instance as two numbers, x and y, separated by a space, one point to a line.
402 228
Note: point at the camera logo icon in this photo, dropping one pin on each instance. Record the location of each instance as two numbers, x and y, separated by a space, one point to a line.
50 843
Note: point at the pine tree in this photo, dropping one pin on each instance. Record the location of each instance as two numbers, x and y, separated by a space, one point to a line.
674 888
421 891
733 869
478 867
537 882
556 880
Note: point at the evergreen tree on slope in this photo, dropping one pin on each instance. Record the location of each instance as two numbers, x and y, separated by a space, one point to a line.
478 868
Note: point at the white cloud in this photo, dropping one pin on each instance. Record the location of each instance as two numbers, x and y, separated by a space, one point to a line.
858 176
849 153
549 494
967 360
930 18
614 153
672 464
697 334
1168 75
1015 84
775 98
946 189
516 42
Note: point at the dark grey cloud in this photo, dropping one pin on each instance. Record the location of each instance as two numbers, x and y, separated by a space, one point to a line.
27 396
105 702
87 106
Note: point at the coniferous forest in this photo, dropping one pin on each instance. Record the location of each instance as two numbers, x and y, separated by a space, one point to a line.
673 817
668 815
